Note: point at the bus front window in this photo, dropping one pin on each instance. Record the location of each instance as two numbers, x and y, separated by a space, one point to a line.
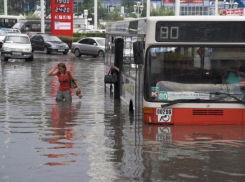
190 73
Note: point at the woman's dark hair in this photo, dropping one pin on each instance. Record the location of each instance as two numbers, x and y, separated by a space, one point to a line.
62 65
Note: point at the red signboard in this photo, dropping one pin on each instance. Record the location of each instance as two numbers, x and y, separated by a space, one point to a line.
62 17
182 1
232 12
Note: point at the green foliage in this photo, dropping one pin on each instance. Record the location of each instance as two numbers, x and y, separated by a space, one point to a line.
31 16
1 7
128 6
95 35
162 12
89 35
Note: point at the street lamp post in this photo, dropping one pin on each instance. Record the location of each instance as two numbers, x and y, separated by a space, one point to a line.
138 9
95 14
85 16
5 7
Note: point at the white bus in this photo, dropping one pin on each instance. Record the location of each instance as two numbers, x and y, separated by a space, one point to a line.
193 69
8 21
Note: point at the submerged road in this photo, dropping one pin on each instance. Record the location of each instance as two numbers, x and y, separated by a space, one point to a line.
94 139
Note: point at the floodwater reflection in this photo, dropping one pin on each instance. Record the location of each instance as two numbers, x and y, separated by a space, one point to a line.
63 115
194 153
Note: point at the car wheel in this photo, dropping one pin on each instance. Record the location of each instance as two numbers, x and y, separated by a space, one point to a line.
65 53
46 50
30 58
101 54
77 53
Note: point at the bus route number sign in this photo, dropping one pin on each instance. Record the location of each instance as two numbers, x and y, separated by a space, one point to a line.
164 115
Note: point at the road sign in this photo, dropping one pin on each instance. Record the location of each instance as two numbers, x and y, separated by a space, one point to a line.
62 17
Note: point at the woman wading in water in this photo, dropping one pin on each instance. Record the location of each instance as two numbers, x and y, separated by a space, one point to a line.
65 77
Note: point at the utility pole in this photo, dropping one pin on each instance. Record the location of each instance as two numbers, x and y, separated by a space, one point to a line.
148 8
42 17
216 8
177 7
5 7
95 14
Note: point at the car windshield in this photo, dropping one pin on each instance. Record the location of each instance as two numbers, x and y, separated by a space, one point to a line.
101 42
18 40
203 73
51 39
2 33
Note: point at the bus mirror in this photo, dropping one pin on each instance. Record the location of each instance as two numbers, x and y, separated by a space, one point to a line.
138 52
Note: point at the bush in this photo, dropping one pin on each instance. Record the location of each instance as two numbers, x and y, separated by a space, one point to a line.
89 35
66 39
95 35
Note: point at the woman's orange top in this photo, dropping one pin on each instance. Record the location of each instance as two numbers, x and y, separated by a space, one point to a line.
64 81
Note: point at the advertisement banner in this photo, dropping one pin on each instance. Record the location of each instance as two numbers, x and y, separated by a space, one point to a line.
233 12
62 17
182 1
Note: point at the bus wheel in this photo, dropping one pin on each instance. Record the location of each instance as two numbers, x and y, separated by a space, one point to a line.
131 106
77 53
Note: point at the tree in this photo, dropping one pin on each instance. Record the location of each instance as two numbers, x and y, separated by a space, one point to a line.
1 7
163 11
128 7
32 16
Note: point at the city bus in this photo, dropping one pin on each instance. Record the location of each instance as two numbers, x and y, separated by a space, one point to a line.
192 72
8 21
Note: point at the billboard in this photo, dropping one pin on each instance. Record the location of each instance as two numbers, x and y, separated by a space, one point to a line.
62 17
182 1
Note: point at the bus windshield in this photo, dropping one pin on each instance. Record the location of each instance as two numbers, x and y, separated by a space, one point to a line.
195 73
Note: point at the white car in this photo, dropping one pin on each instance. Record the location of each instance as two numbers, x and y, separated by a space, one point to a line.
16 46
2 37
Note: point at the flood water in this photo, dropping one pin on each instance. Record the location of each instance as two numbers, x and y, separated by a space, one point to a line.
94 139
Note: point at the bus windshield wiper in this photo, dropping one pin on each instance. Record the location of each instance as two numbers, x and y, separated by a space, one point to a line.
229 95
180 101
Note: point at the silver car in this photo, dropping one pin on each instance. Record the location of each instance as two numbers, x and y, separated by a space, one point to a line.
94 46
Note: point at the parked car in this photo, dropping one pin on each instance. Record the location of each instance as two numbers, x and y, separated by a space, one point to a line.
31 34
2 37
94 46
48 44
11 30
16 46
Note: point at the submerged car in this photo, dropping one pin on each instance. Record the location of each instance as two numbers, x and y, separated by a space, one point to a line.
17 46
94 46
48 44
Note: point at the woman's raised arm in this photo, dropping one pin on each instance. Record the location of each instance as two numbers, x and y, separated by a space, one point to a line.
52 71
